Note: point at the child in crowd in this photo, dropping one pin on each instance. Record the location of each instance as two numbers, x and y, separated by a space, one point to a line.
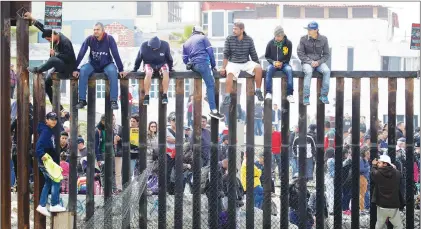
65 167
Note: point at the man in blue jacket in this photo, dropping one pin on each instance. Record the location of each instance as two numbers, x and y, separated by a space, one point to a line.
101 47
278 54
156 57
198 56
46 145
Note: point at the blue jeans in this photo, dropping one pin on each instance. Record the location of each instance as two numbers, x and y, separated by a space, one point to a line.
367 197
310 167
294 218
258 127
308 73
293 164
346 198
49 184
132 166
286 68
205 71
86 71
258 197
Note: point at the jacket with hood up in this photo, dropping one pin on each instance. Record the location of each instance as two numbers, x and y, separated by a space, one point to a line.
387 189
46 143
279 51
155 58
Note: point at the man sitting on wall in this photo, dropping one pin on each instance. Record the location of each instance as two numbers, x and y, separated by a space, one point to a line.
62 56
156 57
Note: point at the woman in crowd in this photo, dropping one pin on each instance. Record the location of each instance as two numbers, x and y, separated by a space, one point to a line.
152 144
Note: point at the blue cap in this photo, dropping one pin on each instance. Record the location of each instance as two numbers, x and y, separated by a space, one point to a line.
312 26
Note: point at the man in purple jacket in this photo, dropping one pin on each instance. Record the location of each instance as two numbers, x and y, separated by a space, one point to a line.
198 56
101 47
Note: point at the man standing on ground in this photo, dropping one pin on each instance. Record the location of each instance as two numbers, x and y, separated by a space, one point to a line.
313 52
198 56
62 56
387 196
276 116
278 54
156 57
206 142
101 47
237 49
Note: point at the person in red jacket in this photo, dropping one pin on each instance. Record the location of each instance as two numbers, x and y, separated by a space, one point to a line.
329 140
276 150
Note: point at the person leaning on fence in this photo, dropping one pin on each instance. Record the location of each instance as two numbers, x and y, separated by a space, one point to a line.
101 46
198 56
278 54
156 57
313 51
388 196
45 148
237 49
62 56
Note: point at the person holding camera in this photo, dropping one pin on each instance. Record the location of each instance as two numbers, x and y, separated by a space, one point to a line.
157 59
198 57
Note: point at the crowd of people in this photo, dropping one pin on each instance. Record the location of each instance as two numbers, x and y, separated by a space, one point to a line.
313 51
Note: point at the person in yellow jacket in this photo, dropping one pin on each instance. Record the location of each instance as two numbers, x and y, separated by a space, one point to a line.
45 150
258 189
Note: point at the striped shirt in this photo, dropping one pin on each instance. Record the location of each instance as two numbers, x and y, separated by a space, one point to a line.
237 51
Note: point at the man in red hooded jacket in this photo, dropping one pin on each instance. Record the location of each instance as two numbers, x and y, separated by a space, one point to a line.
276 150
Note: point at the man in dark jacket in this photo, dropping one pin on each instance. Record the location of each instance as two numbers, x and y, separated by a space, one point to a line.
278 54
313 51
156 57
198 55
101 47
62 56
206 143
387 195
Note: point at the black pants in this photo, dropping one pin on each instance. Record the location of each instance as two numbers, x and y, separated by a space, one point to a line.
54 64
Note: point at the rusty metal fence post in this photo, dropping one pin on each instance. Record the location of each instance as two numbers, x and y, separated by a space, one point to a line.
39 115
339 140
108 159
250 153
284 199
162 162
374 105
143 117
22 44
409 119
74 120
90 170
267 172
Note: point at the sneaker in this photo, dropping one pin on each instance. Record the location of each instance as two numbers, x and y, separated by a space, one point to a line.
81 104
164 99
324 99
259 95
347 212
268 96
57 208
114 105
216 115
290 99
306 101
146 100
227 100
43 210
33 70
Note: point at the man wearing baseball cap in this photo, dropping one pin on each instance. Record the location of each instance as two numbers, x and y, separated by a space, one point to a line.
388 196
313 51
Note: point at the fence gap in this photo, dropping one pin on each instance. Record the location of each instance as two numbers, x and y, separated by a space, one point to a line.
22 53
374 125
302 152
250 153
409 119
164 171
320 160
232 158
90 170
39 116
339 141
143 125
284 157
355 206
179 140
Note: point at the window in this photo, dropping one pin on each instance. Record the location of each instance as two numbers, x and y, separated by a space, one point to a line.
362 12
313 12
382 12
350 60
267 11
219 56
205 21
338 12
100 89
218 22
391 63
144 8
187 88
171 89
401 118
63 87
230 23
154 90
291 12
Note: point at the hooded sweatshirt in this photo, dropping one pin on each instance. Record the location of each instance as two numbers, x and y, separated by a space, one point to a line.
100 52
155 58
279 51
387 188
198 49
45 143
